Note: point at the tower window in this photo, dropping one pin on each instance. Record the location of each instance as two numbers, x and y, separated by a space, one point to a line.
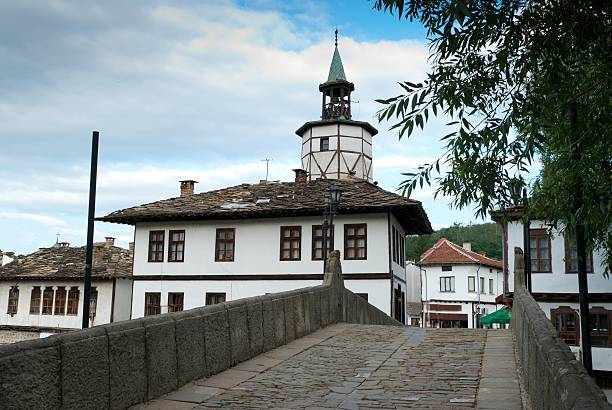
324 144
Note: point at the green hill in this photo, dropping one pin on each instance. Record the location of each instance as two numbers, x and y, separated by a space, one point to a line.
483 237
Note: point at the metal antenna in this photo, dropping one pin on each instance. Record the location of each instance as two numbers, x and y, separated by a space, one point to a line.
336 32
267 160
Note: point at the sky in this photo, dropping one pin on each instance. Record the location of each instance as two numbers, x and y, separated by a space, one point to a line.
198 90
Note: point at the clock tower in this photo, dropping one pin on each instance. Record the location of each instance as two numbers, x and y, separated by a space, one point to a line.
336 146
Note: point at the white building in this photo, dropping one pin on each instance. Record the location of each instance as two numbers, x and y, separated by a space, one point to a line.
554 285
42 292
458 285
6 257
249 240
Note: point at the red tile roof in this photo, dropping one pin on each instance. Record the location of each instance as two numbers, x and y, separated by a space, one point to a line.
447 252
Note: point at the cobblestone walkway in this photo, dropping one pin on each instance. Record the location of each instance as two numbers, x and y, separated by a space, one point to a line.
356 366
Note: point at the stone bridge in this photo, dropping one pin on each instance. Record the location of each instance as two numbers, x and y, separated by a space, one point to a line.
319 347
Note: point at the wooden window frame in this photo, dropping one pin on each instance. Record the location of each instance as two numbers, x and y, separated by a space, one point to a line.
152 309
176 302
356 237
35 300
394 243
93 302
564 334
473 288
292 240
173 254
59 308
481 285
48 290
316 238
13 301
568 269
599 311
321 144
447 268
214 295
538 234
156 255
72 306
491 286
451 282
224 242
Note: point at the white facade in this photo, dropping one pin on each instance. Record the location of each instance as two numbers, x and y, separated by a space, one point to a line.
454 299
551 289
337 150
108 308
257 265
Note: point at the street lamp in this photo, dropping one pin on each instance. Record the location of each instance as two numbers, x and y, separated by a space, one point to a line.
335 194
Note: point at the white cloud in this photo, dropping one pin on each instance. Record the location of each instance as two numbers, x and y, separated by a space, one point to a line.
42 219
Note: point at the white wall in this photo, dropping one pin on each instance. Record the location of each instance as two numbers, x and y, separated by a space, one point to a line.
195 291
24 318
353 141
430 277
258 247
123 299
556 281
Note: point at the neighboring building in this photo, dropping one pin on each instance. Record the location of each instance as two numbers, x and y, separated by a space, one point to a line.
250 240
554 284
414 303
458 285
6 257
42 292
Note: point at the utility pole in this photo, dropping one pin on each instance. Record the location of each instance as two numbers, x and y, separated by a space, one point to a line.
527 242
90 227
583 287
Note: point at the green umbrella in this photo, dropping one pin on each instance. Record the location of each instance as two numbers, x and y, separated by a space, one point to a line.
502 316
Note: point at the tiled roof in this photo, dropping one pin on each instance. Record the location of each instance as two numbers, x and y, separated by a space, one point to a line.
447 252
336 69
69 263
276 199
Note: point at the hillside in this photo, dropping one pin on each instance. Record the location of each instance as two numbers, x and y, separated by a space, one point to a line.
483 237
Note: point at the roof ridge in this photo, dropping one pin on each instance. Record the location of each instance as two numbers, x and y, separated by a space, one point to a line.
461 250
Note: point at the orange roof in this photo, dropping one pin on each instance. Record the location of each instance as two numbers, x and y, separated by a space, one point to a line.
447 252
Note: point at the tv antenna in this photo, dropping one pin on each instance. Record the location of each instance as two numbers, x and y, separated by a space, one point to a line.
267 161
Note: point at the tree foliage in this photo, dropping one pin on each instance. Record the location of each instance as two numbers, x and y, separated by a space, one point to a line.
508 73
485 238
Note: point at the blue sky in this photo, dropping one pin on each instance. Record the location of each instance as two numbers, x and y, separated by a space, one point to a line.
183 90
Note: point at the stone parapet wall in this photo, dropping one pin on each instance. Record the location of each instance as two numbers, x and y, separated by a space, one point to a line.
552 377
126 363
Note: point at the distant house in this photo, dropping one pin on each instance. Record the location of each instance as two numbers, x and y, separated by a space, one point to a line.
42 292
555 285
252 239
6 257
458 285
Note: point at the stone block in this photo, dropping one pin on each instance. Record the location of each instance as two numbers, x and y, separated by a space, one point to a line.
255 320
324 299
269 328
290 319
278 307
85 369
160 342
315 307
127 361
30 374
190 348
239 331
217 338
299 314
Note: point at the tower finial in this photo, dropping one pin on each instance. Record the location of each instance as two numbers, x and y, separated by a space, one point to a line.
336 41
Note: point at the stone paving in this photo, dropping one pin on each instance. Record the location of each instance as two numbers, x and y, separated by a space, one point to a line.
360 366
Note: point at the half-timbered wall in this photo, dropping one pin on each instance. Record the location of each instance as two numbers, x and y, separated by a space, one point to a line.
349 153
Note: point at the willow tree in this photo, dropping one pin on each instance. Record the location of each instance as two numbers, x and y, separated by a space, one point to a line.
522 82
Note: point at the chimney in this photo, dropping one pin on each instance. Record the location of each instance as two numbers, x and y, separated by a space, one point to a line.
187 187
300 175
467 246
482 253
131 247
109 241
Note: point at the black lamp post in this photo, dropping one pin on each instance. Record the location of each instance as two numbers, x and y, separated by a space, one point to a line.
335 194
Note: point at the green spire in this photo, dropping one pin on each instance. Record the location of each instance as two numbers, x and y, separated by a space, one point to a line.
336 70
